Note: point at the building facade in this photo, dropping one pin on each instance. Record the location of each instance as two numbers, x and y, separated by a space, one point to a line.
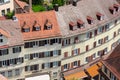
55 42
6 6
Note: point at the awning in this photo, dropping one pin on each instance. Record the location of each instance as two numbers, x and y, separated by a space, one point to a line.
76 75
93 70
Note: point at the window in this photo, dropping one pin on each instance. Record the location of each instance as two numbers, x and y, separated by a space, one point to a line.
55 64
114 35
65 66
75 51
47 65
55 53
76 40
107 27
3 12
35 55
34 67
4 52
10 73
100 29
75 63
16 49
17 72
94 55
8 10
46 54
3 73
87 59
118 31
54 74
27 56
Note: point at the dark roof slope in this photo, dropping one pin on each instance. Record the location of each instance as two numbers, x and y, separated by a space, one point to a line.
113 62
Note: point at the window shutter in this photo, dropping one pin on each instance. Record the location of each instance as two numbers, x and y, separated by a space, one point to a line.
13 50
59 52
65 54
31 56
72 64
90 34
0 53
63 43
0 63
26 68
68 65
19 49
69 41
62 68
72 52
43 66
94 45
51 64
87 47
79 63
78 50
7 51
59 40
59 63
51 53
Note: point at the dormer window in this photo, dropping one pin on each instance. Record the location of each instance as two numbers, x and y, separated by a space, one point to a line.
36 26
1 35
90 20
80 23
25 27
100 16
48 25
112 10
72 26
117 7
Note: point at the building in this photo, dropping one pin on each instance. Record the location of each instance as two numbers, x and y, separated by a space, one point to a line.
62 43
6 6
110 69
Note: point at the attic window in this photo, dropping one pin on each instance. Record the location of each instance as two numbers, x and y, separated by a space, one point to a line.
72 26
48 25
80 23
25 27
112 10
1 35
90 20
36 26
117 7
100 16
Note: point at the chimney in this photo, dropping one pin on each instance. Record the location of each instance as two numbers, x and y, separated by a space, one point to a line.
30 5
56 7
74 3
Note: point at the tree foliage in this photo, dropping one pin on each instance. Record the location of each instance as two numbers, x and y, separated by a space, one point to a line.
59 2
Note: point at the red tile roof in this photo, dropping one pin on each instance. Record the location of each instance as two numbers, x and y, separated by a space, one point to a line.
21 3
41 18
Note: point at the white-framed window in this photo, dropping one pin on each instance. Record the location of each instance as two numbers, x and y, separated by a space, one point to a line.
65 66
35 55
94 55
47 54
27 56
17 49
4 52
76 52
47 65
10 73
17 72
55 53
75 63
55 64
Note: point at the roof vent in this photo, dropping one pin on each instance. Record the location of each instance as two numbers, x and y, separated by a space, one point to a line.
112 10
72 26
74 3
80 23
90 20
100 16
117 7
